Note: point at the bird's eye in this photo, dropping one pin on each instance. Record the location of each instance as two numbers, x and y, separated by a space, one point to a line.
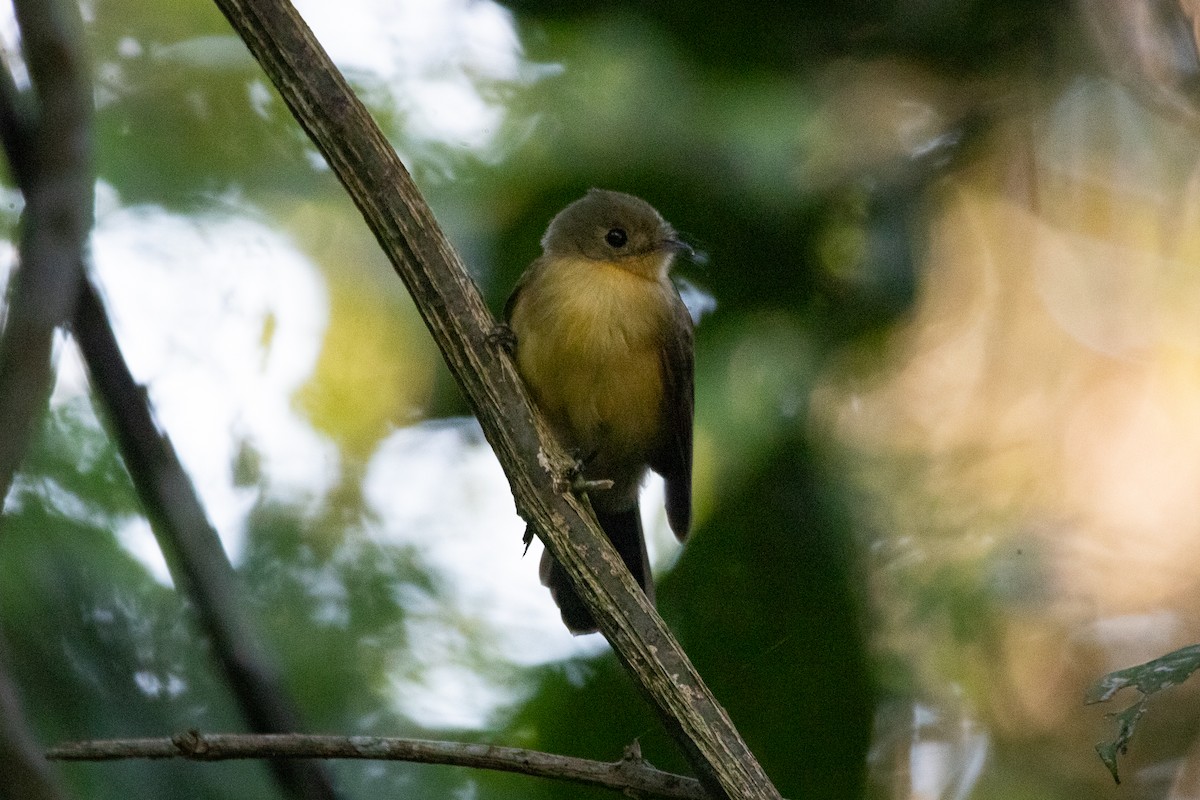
616 237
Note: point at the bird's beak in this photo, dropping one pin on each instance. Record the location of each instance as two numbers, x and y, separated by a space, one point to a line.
677 245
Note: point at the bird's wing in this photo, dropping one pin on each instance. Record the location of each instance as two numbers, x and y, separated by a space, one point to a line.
673 460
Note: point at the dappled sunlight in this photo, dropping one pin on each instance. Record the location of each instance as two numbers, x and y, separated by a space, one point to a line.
442 66
376 369
947 432
221 316
438 489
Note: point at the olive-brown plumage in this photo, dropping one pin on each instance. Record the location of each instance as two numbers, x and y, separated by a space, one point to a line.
604 343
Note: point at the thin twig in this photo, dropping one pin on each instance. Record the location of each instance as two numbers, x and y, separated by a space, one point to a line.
631 774
537 468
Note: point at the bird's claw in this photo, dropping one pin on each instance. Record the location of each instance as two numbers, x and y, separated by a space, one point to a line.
581 485
502 336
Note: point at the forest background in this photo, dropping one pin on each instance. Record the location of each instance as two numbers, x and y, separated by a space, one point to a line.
947 380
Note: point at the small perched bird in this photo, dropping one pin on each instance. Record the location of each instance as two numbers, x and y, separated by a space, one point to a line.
604 343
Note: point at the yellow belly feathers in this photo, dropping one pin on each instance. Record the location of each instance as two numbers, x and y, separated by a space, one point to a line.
589 343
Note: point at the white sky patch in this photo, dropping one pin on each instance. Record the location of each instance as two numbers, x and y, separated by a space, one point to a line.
8 260
439 489
700 302
260 98
431 37
436 57
10 38
138 539
447 691
192 300
215 53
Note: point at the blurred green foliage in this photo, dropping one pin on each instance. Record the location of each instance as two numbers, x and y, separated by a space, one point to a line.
100 647
710 111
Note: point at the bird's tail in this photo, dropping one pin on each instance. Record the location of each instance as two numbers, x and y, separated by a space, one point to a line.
624 529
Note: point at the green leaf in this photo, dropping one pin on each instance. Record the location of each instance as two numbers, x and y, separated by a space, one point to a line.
1153 676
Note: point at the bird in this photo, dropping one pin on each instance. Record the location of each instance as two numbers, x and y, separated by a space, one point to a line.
605 345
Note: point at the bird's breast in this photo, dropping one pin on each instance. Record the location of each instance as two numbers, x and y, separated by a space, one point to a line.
589 345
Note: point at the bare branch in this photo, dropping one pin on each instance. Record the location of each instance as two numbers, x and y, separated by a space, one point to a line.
16 128
56 221
631 775
50 157
198 563
54 170
537 468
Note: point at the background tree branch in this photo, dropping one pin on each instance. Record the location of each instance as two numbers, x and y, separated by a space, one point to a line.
197 561
55 170
48 141
452 308
55 167
24 772
631 774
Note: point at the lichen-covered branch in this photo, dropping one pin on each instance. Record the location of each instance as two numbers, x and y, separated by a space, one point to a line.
452 308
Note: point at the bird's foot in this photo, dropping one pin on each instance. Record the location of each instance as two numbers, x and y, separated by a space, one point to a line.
581 485
503 337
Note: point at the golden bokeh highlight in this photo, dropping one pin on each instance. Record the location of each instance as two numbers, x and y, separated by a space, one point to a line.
377 363
1033 431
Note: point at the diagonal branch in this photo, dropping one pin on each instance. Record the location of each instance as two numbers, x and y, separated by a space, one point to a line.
452 308
631 775
198 563
49 156
57 168
55 171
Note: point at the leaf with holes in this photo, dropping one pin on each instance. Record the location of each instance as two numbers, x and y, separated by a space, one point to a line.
1153 676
